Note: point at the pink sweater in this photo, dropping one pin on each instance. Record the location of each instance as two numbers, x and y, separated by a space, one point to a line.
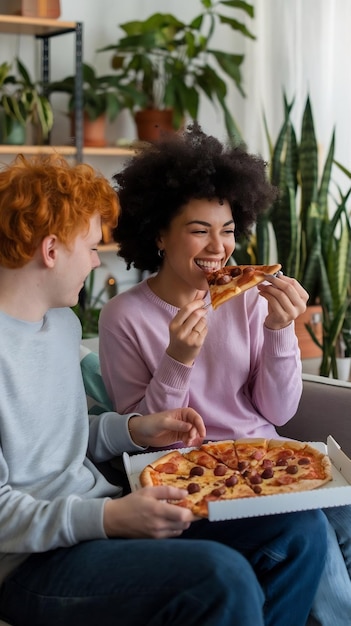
245 381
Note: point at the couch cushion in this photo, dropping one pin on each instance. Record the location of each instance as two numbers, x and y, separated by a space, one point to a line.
324 409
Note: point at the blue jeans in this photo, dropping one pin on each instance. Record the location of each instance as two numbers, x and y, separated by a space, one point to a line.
191 580
332 604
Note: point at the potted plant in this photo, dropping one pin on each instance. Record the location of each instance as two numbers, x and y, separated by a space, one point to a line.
23 102
171 62
89 307
313 240
103 99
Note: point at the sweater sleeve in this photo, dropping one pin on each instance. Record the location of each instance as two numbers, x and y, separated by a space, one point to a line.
279 382
129 382
275 379
30 524
109 436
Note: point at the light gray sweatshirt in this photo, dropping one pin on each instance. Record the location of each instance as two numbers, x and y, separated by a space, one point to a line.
51 494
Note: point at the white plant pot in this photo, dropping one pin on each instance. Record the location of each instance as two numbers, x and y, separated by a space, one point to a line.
344 366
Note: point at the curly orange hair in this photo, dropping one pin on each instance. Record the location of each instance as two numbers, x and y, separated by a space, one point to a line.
46 195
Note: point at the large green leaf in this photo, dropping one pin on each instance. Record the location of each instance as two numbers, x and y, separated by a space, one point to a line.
239 4
324 188
285 229
230 64
233 130
236 25
308 162
263 240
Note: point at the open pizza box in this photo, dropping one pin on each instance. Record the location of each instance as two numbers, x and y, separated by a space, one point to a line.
334 493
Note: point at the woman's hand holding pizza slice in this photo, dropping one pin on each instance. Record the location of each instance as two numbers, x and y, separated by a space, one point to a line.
286 298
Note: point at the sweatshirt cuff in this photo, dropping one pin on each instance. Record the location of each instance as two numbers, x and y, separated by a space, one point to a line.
87 519
281 342
119 438
173 374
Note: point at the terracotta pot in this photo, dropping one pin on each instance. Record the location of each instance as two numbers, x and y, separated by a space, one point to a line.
93 131
313 316
151 123
32 8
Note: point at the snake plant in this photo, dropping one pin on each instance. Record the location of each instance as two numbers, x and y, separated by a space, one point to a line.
311 228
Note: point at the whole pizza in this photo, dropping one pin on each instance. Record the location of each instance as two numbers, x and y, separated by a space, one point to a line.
241 468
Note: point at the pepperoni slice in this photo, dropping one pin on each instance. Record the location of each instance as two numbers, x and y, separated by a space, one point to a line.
167 468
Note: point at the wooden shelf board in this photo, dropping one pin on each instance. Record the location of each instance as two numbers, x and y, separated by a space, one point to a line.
107 247
108 151
65 150
17 24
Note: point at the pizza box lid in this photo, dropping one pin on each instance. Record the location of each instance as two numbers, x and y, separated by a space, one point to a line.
335 493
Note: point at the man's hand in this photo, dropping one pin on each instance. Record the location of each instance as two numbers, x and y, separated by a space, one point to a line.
164 429
145 513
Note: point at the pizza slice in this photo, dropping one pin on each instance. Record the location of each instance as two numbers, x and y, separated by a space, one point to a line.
200 457
289 466
222 451
250 452
231 280
175 470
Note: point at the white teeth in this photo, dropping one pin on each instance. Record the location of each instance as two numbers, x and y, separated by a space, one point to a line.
209 265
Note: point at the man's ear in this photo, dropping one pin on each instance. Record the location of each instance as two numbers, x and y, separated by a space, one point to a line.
49 248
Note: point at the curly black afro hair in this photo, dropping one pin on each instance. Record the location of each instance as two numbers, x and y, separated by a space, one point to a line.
163 177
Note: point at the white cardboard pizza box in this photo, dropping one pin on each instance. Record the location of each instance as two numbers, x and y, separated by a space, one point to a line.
336 492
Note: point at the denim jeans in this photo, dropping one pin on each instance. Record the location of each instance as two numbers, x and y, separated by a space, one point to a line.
191 580
332 604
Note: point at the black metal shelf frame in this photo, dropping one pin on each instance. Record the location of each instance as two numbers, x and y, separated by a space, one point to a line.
45 75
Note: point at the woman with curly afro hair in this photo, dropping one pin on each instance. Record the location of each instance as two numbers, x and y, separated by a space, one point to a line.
183 201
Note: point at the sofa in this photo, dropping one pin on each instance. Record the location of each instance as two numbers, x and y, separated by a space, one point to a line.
324 409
